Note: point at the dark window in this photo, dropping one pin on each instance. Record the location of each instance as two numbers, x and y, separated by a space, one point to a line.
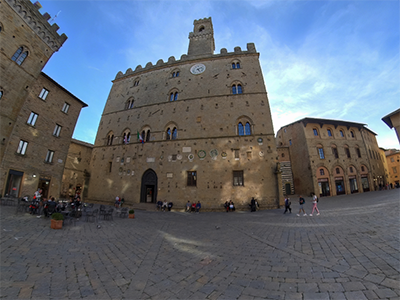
337 171
234 89
238 178
321 172
329 132
148 135
341 133
335 152
358 152
237 89
315 132
110 139
352 134
347 150
233 66
237 65
362 169
109 167
191 178
351 169
168 137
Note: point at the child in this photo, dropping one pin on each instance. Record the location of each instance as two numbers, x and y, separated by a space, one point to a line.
301 202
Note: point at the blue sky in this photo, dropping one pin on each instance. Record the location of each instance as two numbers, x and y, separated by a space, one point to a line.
322 59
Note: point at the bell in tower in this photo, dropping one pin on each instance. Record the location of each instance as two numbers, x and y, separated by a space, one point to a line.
202 38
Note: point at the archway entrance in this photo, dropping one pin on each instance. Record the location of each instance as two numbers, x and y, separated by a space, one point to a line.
148 191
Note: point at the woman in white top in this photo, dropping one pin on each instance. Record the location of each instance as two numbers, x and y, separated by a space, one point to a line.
315 201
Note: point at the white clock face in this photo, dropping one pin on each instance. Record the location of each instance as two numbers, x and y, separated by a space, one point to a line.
197 69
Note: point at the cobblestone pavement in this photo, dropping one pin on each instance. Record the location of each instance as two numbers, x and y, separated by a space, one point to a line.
349 251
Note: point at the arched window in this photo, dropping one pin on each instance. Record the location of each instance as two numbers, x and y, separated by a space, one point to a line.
352 133
173 96
235 65
110 139
240 129
329 132
174 133
237 89
175 74
321 172
148 135
247 129
315 130
126 137
168 137
335 151
337 171
341 133
19 55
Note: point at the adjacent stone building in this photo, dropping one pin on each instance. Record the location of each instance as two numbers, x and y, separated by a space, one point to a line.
38 115
332 157
393 164
393 121
206 128
76 172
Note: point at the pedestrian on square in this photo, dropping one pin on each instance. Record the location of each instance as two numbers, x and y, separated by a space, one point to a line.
231 206
226 205
165 205
188 206
116 203
315 201
287 205
301 203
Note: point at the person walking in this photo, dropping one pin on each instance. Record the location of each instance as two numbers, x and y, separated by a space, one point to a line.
287 205
301 203
315 201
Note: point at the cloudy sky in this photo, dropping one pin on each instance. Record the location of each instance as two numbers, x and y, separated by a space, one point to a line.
322 59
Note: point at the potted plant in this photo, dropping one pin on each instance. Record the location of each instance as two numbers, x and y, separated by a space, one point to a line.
131 214
56 220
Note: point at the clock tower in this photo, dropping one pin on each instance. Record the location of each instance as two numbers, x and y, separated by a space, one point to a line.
202 38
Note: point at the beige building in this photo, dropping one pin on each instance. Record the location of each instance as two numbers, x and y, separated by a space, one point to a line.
393 121
332 157
393 164
38 116
76 172
206 124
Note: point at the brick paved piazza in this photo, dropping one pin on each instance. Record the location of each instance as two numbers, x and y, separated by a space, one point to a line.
350 251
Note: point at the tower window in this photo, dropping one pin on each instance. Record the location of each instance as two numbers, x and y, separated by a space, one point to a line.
32 119
43 94
19 56
237 89
173 96
22 147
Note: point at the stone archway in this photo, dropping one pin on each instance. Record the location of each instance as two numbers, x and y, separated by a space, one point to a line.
148 191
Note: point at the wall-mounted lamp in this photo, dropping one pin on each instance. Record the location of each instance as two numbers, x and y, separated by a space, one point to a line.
34 175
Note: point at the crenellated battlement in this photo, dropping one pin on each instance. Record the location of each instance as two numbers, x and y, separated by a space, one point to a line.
251 49
29 12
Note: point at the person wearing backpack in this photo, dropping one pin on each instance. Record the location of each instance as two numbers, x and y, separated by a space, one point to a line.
301 202
315 201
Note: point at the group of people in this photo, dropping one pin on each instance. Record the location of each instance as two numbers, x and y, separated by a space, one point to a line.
193 207
229 206
119 202
315 201
162 206
49 205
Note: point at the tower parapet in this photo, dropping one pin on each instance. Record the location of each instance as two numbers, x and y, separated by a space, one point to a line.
251 48
29 12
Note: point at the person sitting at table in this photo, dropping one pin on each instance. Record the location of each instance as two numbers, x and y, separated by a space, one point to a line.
193 207
49 207
165 204
170 204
